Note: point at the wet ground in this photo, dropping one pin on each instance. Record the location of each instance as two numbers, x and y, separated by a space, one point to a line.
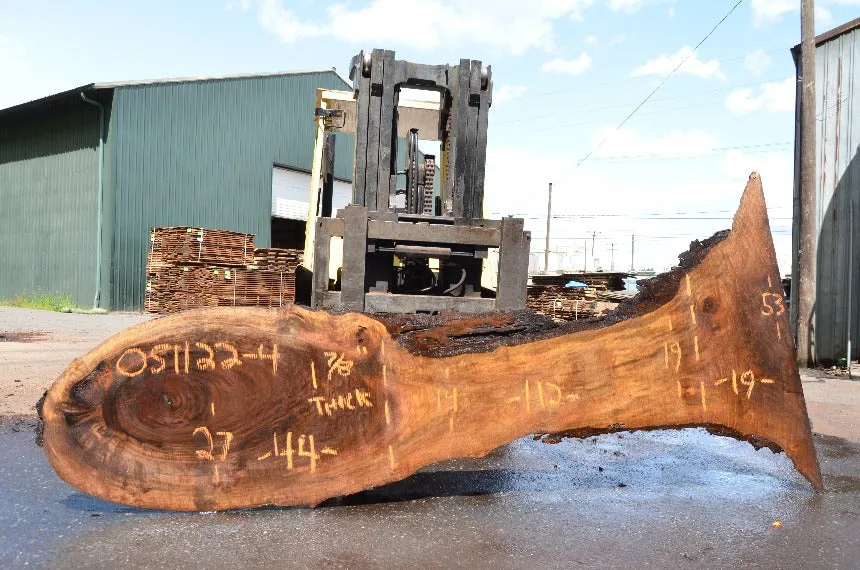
647 499
665 499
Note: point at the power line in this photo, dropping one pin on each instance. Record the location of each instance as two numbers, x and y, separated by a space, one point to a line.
625 79
621 105
659 85
655 218
565 125
648 214
707 153
647 237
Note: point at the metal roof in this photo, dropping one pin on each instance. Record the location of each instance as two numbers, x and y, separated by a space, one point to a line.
141 82
829 35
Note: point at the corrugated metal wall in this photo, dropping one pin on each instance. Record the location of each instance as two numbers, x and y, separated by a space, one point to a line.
838 172
48 199
201 154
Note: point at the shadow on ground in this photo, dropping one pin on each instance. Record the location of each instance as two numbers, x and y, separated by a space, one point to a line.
617 500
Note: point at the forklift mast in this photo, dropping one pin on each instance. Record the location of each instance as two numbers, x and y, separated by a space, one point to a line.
465 93
406 250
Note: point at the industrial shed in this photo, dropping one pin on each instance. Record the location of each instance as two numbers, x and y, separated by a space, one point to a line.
837 104
84 175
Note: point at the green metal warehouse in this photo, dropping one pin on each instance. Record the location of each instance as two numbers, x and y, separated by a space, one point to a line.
84 174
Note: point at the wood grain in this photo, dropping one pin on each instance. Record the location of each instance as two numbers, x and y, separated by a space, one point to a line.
226 408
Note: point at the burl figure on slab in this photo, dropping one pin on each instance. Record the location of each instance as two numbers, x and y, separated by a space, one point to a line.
225 408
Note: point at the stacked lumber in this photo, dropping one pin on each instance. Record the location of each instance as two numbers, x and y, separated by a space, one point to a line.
275 259
548 295
180 288
615 296
185 245
560 304
190 268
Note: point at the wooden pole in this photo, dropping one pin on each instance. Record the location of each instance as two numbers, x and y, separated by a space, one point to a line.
806 256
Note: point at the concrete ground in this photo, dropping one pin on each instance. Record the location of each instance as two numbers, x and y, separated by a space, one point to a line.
646 499
36 346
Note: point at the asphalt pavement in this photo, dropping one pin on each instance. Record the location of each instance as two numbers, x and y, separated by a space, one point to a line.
629 500
661 499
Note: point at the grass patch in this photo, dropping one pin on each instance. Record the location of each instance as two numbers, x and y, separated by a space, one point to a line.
44 301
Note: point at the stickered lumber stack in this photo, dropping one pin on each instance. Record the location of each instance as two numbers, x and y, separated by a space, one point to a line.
560 304
275 259
183 245
190 268
548 295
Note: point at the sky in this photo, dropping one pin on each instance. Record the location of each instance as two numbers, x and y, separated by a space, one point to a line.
565 72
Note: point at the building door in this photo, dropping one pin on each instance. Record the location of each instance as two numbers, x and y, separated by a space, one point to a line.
290 202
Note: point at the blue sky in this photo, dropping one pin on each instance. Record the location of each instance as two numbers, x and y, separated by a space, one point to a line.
565 73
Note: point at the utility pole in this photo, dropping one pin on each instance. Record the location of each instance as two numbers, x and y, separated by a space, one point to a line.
632 249
806 270
584 255
548 217
612 257
592 242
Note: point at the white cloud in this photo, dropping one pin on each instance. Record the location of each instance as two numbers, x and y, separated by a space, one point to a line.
741 101
766 11
774 97
633 6
501 24
664 64
771 10
629 142
243 5
671 12
591 40
284 23
507 92
626 6
568 66
757 61
775 165
822 15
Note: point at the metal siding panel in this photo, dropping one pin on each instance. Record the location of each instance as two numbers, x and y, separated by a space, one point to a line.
48 200
201 154
838 192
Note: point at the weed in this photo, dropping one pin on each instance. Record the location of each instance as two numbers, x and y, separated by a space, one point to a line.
44 300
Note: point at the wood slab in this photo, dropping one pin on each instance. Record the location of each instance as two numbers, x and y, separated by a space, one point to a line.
226 408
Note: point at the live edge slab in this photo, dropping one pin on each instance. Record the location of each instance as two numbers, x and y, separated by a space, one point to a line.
227 408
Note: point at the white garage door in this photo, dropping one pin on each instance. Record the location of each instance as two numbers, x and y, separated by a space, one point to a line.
291 190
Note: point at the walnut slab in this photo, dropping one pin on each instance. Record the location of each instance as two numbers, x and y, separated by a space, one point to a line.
226 408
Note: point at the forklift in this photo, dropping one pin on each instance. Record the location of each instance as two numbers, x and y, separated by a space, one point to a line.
400 246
